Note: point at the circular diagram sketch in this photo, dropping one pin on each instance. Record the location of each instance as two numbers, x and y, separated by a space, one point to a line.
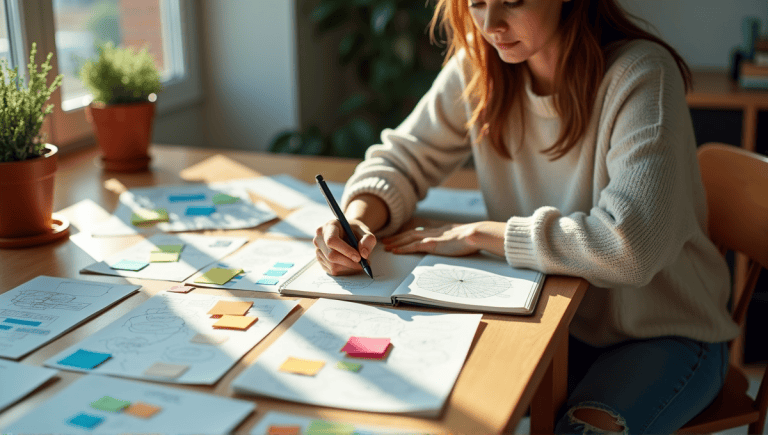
462 283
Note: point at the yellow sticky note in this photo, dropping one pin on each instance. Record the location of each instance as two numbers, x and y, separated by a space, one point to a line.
301 366
163 370
163 257
235 322
233 308
142 410
218 276
169 248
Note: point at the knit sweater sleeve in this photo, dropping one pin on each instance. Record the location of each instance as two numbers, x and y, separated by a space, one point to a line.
647 210
424 149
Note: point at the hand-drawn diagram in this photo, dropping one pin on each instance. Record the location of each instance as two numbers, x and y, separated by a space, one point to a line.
162 330
65 297
462 283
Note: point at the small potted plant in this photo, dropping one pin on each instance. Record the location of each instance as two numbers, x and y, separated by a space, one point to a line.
27 163
124 83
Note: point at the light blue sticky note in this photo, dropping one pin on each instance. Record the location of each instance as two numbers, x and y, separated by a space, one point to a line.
267 281
275 272
23 322
283 265
84 359
131 265
182 197
85 420
200 210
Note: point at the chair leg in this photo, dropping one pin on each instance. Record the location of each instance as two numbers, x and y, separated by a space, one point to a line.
757 426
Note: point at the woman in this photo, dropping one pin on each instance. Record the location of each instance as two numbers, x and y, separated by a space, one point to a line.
585 153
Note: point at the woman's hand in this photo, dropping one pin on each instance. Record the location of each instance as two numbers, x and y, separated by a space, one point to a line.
335 255
451 240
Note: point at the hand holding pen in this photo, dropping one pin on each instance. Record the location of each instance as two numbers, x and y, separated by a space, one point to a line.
339 256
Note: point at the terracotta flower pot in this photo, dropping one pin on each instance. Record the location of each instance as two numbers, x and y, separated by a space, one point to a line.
26 195
123 133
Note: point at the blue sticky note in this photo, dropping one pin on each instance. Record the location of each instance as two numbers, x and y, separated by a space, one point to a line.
200 210
283 265
84 359
275 272
181 197
85 420
23 322
267 281
5 327
131 265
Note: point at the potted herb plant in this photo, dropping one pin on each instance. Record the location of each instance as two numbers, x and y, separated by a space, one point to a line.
27 163
124 83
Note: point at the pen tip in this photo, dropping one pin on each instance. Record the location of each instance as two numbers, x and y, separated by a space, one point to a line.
319 177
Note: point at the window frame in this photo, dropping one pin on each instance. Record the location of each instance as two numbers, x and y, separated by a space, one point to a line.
70 128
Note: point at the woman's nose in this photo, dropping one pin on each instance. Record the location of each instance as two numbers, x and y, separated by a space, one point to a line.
494 20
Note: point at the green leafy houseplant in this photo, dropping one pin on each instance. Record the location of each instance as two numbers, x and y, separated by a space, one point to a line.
23 109
387 45
123 82
121 75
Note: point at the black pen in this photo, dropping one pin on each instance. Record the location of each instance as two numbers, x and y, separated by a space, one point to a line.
343 220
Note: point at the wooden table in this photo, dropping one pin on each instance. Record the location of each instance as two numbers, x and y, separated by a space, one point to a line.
514 361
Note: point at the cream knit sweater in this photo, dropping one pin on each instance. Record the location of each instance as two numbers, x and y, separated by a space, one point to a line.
625 209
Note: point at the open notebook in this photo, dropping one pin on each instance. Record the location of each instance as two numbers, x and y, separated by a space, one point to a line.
481 282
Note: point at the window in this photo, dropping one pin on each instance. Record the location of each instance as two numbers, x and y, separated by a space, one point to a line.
71 29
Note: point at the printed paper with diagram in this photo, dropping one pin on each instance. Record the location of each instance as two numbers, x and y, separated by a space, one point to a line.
195 252
417 375
45 307
175 332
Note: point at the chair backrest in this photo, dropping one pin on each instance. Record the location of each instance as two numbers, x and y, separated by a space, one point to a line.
736 182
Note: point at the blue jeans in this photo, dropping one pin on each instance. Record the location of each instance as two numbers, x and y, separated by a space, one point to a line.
650 386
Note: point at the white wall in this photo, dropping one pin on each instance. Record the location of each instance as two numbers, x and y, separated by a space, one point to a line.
702 31
249 73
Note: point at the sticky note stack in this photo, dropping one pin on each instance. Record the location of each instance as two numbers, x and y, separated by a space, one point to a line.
366 347
231 315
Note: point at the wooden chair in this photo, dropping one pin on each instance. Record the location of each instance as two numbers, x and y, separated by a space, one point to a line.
736 182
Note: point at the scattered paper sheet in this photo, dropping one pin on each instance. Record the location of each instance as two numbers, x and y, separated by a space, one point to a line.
283 190
428 351
306 425
45 307
177 411
18 380
161 330
191 207
304 222
256 259
199 251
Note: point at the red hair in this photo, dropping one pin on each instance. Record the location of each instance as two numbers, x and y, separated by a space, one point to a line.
587 27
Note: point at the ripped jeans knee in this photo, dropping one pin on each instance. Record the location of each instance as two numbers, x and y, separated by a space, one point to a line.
571 423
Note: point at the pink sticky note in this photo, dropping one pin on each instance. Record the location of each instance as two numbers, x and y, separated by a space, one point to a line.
366 347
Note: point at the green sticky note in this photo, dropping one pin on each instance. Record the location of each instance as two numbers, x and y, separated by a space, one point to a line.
223 198
145 217
110 404
322 427
169 248
349 366
163 257
218 276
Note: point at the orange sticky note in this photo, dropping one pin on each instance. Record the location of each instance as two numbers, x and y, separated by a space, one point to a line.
235 322
232 308
142 410
163 370
301 366
284 430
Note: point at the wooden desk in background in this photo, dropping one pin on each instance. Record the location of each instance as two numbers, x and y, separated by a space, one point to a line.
513 362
